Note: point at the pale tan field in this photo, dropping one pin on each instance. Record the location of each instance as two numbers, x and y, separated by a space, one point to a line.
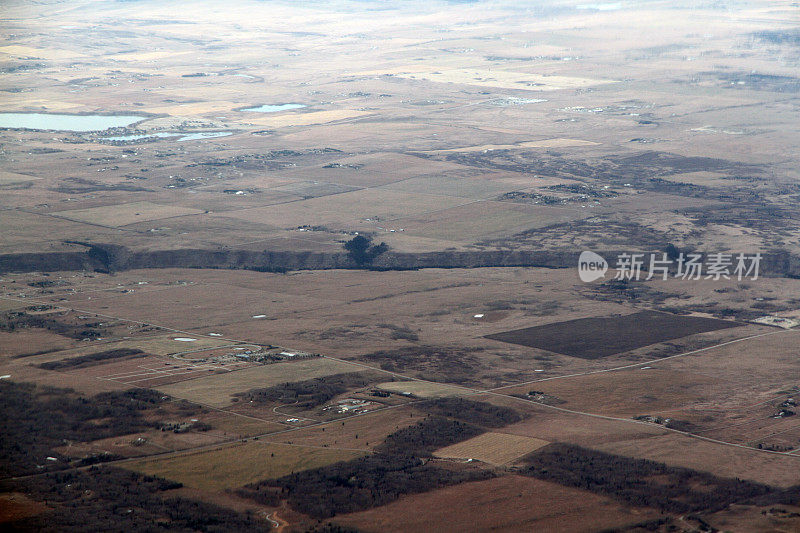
21 370
13 178
485 219
47 104
391 165
167 345
707 179
7 305
233 466
492 448
546 143
194 109
201 305
723 461
507 504
42 53
240 426
423 389
478 187
305 119
365 208
145 56
503 79
754 366
124 214
632 392
162 345
32 232
31 341
365 431
218 390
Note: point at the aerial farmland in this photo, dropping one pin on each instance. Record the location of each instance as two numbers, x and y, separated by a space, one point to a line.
399 266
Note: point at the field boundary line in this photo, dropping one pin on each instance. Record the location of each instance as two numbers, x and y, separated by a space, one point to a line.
468 392
644 363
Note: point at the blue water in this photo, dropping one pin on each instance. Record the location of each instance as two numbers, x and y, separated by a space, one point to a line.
273 108
50 121
140 136
183 137
205 135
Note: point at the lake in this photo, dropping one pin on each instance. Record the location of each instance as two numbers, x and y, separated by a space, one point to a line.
140 136
52 121
183 136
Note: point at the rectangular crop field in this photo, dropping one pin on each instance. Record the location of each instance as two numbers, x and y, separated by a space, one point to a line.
546 143
423 389
13 178
485 219
505 79
7 305
347 209
592 338
240 464
217 390
484 506
492 448
306 119
124 214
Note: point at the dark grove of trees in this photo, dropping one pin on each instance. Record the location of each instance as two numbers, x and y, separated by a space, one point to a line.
92 359
434 363
311 392
478 413
647 483
113 499
362 251
424 437
401 467
16 320
363 483
34 420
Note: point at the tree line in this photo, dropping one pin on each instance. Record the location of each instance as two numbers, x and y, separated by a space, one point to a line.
646 483
400 467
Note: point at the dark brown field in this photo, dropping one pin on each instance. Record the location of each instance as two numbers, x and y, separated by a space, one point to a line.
511 503
593 338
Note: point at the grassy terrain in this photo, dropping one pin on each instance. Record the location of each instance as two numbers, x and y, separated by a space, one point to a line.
217 390
240 464
492 448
